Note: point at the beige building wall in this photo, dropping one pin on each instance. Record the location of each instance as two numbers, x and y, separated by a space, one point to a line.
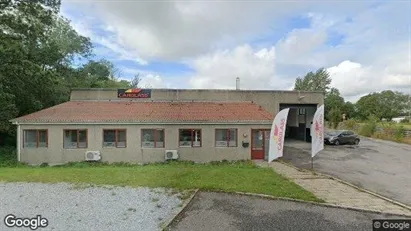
269 100
56 154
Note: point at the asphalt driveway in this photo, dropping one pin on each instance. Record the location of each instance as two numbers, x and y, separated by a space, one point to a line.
222 211
383 167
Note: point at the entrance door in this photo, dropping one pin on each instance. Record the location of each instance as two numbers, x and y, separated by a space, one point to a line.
259 143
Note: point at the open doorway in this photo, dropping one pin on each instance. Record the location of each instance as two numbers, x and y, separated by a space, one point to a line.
299 120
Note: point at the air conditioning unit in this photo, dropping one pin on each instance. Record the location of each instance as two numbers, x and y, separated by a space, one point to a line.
171 154
93 156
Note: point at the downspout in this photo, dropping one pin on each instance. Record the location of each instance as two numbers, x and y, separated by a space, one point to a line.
18 141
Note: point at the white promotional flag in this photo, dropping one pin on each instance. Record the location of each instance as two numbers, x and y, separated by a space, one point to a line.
277 134
317 139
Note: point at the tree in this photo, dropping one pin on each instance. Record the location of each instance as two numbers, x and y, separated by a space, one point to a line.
385 104
31 56
318 81
333 100
135 82
349 110
335 117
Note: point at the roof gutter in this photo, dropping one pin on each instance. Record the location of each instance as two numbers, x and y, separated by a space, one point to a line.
148 123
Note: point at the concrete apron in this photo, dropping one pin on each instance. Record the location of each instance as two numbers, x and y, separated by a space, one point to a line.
336 192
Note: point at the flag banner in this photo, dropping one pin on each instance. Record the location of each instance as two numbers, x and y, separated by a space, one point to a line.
277 134
317 139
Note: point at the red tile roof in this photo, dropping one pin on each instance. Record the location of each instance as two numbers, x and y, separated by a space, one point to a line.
162 112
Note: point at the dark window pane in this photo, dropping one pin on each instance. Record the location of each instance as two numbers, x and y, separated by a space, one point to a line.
233 138
185 138
42 138
160 139
82 139
147 138
121 138
73 135
30 138
109 137
221 138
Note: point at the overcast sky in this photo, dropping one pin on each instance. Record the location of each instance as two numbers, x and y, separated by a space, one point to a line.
365 45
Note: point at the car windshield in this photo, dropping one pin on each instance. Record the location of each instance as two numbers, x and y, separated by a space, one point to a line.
333 133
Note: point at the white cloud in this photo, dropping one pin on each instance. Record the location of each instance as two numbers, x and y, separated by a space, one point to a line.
354 80
373 54
255 68
153 81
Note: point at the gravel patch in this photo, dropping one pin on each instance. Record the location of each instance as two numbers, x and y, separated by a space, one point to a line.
88 207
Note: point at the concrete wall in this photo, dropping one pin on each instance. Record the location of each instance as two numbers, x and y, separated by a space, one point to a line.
269 100
55 153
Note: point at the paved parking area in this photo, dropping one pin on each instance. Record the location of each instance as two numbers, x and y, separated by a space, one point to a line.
222 211
383 167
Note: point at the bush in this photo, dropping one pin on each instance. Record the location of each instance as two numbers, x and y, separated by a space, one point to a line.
369 128
8 156
399 133
350 124
405 120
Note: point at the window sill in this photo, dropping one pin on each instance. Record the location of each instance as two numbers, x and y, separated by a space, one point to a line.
190 146
74 148
34 147
113 147
152 148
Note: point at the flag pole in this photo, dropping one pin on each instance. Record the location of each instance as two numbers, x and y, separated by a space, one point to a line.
312 163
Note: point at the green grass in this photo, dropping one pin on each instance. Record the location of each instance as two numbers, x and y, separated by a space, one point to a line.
405 125
228 177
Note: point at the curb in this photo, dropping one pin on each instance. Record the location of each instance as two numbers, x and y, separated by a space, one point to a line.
318 203
351 185
166 225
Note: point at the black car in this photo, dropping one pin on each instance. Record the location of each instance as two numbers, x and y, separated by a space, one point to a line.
341 137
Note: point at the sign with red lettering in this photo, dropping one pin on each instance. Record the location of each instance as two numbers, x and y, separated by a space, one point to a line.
134 93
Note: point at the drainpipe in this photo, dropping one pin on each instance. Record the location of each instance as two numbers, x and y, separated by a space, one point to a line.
18 142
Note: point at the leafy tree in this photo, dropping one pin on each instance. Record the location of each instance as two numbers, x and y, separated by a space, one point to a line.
31 56
335 117
385 104
349 110
333 100
318 81
37 50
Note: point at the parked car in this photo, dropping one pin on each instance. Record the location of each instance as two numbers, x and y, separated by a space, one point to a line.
341 137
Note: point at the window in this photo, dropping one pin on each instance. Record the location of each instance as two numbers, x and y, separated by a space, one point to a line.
115 138
190 138
226 137
35 139
75 139
301 111
152 138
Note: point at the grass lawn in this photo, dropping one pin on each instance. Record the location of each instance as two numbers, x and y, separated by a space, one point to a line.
229 177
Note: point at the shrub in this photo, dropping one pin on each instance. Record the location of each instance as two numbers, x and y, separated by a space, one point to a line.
399 133
8 157
369 128
350 124
405 120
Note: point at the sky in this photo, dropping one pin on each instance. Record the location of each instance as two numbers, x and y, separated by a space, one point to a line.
364 45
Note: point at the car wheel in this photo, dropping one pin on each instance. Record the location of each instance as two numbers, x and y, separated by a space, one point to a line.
356 141
337 142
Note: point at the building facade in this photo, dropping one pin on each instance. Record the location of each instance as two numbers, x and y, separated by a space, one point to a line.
140 125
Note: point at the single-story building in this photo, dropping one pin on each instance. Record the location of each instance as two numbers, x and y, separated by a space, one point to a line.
143 125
